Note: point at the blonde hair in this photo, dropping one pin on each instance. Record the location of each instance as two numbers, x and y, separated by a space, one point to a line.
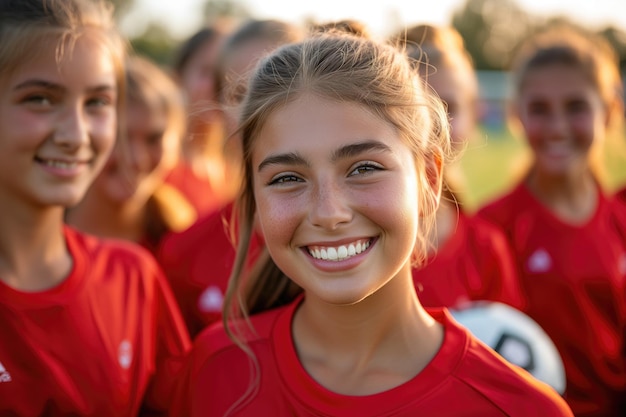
574 47
350 26
432 48
28 25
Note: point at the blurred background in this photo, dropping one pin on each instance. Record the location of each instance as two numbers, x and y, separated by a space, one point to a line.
491 30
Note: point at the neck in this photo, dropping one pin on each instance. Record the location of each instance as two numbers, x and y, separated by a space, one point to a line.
33 253
380 342
104 218
572 198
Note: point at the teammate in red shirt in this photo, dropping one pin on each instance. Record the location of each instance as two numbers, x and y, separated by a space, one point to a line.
198 261
470 259
88 327
202 173
568 238
343 148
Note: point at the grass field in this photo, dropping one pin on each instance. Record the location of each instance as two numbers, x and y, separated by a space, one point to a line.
494 160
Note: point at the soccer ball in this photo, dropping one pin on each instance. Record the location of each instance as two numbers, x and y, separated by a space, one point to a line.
516 337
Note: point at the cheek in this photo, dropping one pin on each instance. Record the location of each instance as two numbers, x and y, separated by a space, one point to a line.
278 217
533 129
28 130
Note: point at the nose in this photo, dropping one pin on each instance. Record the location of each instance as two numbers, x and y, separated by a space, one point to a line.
330 206
72 130
558 125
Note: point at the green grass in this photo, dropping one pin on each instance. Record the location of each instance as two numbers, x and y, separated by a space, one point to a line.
494 160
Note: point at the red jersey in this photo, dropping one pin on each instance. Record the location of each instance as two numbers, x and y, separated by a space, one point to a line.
465 378
621 195
574 278
198 191
107 341
198 262
475 263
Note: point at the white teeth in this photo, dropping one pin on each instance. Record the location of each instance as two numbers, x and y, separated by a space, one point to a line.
60 164
339 253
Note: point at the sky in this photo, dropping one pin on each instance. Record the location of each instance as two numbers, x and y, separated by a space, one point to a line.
183 17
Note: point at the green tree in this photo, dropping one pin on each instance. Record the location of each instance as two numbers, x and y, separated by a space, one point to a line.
491 29
156 43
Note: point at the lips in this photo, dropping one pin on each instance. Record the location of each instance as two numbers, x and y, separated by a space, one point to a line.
60 164
340 252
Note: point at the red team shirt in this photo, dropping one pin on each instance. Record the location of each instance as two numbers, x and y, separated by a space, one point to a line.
475 263
621 195
107 341
464 379
198 263
574 281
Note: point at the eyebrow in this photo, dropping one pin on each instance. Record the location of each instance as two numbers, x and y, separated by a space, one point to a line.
56 87
359 148
344 152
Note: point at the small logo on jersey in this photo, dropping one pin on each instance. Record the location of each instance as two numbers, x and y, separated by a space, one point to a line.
211 300
125 354
539 261
5 376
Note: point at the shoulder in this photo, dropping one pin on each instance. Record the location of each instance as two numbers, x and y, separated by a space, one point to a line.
104 255
483 232
502 209
215 340
493 380
209 231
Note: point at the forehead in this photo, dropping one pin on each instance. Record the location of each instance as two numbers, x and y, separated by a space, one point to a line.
315 125
555 79
85 61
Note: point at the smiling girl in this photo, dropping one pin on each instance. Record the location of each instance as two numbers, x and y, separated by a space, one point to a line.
567 237
342 153
88 327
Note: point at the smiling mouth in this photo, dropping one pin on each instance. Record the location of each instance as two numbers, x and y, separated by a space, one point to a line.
339 253
58 164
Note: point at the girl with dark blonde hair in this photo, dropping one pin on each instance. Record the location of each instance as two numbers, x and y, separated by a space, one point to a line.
343 149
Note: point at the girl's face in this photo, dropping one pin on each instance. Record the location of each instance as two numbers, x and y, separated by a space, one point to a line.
57 124
451 86
562 116
142 161
337 198
198 77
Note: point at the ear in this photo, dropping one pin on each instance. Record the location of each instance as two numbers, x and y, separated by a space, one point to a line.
434 172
